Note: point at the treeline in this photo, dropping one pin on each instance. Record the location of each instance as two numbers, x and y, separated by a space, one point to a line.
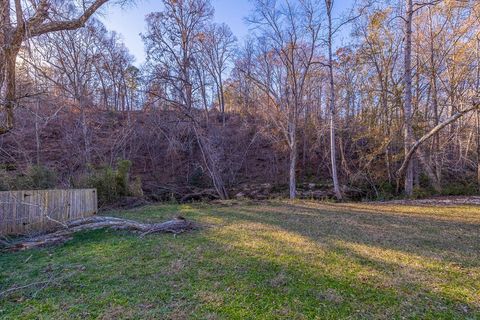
394 111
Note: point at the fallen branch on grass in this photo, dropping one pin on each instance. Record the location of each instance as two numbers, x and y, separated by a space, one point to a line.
175 226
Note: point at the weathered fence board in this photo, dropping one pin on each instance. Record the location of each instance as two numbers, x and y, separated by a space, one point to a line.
26 212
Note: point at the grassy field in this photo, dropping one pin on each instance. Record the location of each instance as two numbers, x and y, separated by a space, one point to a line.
275 260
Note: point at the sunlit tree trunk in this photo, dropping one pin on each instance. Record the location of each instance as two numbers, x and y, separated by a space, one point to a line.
478 111
37 133
293 159
333 148
7 67
408 129
478 149
436 113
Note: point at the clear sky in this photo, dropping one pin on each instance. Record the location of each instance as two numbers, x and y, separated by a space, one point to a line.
130 22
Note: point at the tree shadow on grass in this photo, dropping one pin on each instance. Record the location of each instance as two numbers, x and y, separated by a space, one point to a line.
427 260
450 240
330 282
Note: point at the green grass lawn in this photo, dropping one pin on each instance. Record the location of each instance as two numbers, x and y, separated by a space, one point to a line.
275 260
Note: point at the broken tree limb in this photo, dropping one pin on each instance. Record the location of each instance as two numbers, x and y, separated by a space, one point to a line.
400 173
175 226
198 196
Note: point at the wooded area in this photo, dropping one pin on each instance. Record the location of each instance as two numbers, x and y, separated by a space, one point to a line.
381 99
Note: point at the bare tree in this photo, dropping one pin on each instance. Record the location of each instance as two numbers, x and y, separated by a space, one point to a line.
217 49
288 40
21 22
173 40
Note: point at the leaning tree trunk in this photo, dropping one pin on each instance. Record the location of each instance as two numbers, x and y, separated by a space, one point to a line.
211 164
414 149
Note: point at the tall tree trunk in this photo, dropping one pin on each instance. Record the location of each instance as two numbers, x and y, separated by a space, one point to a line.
10 92
333 150
4 35
408 134
478 112
4 23
222 97
37 133
84 124
478 148
293 165
436 114
436 184
304 137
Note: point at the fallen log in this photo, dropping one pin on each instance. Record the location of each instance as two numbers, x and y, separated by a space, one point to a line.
175 226
199 196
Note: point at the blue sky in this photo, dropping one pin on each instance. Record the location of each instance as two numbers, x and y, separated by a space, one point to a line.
130 22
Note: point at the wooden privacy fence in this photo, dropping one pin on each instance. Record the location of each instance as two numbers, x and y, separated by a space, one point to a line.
27 212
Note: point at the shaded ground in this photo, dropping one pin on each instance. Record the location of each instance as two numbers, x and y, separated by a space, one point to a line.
447 200
276 260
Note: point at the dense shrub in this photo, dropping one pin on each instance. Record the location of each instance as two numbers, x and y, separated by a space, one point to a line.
105 183
122 177
112 184
199 179
42 178
421 193
135 187
460 189
4 178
